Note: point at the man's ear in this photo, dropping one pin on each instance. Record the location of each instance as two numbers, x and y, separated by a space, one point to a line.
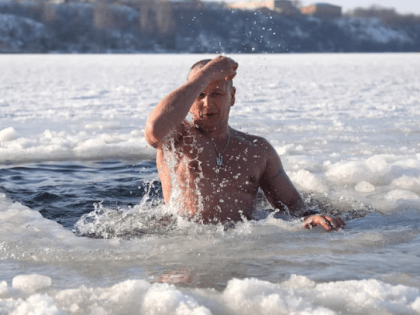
232 95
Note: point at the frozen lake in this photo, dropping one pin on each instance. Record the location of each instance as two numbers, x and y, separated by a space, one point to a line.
72 141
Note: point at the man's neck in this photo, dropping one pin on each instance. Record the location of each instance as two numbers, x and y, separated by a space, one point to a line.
217 133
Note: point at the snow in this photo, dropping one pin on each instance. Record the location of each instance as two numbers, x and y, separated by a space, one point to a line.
31 282
241 296
346 128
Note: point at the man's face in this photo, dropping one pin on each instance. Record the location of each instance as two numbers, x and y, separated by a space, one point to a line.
211 108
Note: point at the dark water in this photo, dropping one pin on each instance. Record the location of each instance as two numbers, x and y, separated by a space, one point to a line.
64 191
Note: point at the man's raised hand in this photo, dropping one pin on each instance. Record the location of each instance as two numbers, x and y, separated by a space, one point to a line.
221 68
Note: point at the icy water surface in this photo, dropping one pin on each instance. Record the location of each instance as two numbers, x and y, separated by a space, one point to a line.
64 191
75 163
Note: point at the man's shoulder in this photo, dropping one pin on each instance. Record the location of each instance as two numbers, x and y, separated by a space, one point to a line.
175 138
249 139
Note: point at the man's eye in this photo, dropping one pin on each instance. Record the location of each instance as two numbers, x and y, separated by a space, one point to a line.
216 94
202 95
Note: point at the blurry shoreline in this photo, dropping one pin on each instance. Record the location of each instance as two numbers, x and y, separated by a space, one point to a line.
196 27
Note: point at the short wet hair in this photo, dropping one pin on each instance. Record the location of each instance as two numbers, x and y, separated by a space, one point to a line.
200 64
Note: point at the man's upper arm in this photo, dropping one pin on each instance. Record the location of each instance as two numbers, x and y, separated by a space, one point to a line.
175 134
276 185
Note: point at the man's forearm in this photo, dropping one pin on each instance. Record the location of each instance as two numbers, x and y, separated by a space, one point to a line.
173 109
298 208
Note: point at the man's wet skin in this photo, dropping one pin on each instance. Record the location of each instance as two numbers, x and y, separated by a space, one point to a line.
211 171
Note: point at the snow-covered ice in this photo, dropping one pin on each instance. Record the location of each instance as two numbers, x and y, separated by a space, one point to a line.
346 127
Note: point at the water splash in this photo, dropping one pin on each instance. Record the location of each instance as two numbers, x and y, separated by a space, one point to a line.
149 217
185 194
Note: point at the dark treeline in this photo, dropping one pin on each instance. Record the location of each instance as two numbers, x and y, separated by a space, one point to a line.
388 16
149 26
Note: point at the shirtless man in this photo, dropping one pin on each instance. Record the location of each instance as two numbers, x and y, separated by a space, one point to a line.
211 171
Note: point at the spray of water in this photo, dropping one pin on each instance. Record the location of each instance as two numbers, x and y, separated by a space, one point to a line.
152 216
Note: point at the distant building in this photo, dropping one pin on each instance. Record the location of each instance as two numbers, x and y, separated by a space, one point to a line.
324 10
282 6
182 4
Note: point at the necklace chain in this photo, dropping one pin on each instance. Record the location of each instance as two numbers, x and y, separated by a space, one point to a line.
219 159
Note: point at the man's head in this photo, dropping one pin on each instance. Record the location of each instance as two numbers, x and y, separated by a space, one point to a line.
211 108
200 64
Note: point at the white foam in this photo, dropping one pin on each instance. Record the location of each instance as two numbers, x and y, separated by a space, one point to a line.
56 146
395 195
416 305
3 288
376 170
299 282
33 282
378 164
123 298
250 296
364 187
347 172
38 304
407 183
308 182
41 239
166 299
8 134
241 297
376 177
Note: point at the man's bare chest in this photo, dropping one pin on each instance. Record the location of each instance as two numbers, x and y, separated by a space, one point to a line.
239 166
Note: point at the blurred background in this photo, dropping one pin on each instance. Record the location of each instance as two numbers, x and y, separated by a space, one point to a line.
195 26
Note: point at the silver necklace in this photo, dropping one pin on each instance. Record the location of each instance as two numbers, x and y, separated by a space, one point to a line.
219 159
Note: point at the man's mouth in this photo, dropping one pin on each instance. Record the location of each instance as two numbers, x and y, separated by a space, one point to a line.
209 114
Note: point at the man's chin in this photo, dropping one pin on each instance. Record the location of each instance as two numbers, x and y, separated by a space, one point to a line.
205 125
206 128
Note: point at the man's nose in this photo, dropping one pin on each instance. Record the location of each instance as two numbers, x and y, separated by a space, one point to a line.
206 101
